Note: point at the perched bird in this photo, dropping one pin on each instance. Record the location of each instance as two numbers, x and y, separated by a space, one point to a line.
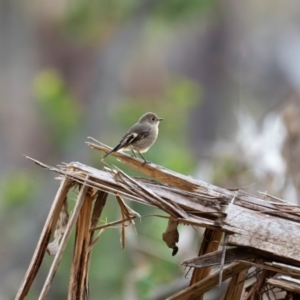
140 137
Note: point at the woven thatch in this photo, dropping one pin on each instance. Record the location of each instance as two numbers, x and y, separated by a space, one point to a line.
261 233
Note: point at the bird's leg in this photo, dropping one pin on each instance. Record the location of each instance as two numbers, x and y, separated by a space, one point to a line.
134 153
145 161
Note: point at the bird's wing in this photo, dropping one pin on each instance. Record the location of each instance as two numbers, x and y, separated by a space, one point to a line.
136 133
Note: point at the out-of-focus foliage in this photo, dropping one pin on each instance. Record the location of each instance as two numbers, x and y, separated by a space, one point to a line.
94 20
17 188
177 10
58 107
228 170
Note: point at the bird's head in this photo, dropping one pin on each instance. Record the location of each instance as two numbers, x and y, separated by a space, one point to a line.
150 118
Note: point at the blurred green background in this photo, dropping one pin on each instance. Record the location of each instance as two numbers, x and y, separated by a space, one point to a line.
225 77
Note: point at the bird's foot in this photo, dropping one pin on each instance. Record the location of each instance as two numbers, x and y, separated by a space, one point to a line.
146 162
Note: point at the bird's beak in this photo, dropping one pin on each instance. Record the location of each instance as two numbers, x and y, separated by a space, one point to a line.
159 119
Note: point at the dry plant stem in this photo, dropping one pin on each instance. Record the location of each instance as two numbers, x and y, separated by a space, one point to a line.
99 204
125 213
214 258
210 243
111 224
201 287
223 257
98 208
78 269
257 286
63 243
284 284
44 239
266 266
236 285
149 169
168 207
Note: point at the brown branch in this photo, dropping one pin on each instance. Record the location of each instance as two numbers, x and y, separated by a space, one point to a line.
207 283
63 244
79 267
41 247
210 243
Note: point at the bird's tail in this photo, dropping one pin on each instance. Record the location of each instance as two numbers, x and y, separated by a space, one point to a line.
111 151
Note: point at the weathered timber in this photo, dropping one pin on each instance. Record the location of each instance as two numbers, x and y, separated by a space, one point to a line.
283 282
213 258
257 227
210 244
264 231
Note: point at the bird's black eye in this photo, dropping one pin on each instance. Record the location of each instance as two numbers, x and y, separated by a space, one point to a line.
153 119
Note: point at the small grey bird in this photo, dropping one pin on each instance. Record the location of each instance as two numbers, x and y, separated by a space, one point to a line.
140 137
